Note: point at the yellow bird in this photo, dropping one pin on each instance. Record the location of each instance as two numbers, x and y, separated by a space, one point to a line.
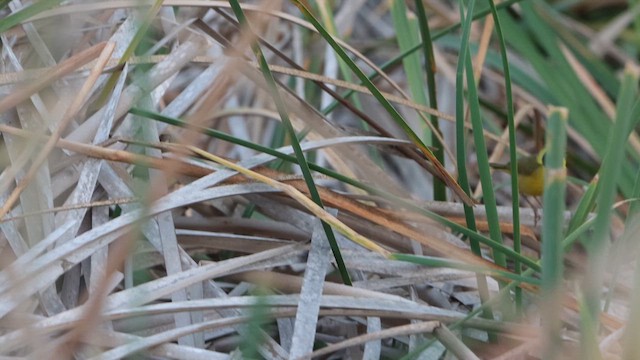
530 173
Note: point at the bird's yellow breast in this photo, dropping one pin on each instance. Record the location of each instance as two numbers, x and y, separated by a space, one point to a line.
532 184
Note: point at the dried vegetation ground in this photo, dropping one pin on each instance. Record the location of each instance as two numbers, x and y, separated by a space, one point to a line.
156 202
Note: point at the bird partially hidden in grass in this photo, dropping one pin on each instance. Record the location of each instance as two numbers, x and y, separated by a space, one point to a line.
530 176
530 173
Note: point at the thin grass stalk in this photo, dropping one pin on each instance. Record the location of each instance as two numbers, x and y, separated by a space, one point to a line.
302 162
299 197
406 33
329 21
517 243
461 148
411 329
598 243
483 163
439 188
552 231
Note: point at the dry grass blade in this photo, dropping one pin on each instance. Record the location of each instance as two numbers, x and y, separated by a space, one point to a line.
100 152
66 67
304 330
105 54
148 292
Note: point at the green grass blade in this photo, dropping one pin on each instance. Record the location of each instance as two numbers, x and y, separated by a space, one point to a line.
610 172
552 230
461 143
483 163
515 198
407 33
439 188
26 13
407 37
461 146
611 166
302 162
